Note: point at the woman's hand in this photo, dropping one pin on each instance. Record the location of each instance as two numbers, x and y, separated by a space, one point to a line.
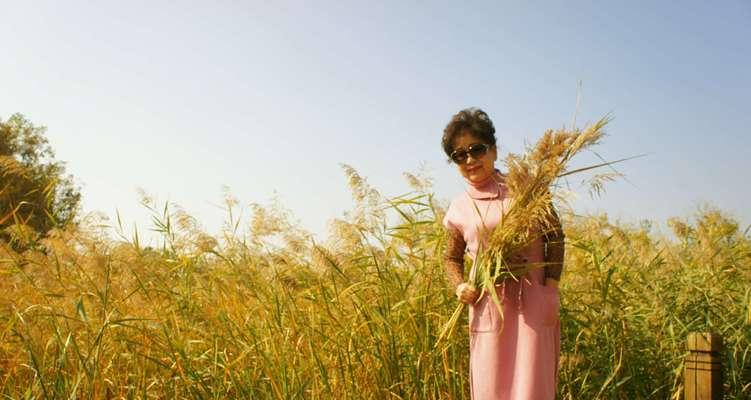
550 282
466 293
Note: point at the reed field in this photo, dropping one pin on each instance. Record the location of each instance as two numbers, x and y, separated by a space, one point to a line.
263 311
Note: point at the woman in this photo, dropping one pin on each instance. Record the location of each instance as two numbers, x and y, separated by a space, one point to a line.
513 356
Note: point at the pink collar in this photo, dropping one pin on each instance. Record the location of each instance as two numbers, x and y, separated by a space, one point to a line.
491 188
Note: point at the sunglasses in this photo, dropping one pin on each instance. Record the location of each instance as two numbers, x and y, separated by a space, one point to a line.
476 150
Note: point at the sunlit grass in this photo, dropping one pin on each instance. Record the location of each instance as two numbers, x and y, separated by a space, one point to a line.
258 312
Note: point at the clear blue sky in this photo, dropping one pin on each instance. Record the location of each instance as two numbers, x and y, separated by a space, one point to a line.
269 97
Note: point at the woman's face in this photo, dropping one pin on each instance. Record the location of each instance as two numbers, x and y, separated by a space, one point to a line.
475 170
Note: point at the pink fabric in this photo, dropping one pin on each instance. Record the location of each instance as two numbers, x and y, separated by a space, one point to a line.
514 356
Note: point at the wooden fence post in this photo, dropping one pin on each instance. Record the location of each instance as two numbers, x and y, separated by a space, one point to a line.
703 372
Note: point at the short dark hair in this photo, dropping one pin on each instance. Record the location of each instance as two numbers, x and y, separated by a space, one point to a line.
472 120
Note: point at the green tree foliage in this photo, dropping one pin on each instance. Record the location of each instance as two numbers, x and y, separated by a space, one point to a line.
35 191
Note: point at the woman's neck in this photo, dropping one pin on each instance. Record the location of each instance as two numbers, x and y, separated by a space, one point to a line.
492 179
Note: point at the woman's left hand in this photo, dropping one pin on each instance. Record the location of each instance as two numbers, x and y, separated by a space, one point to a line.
550 282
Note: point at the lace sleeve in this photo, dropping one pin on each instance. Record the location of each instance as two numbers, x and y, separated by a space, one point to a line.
453 258
554 248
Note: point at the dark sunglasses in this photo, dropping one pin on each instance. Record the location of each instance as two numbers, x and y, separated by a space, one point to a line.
476 150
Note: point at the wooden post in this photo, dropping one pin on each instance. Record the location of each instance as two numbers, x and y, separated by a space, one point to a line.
703 373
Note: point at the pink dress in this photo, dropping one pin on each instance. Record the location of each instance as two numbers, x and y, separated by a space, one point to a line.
514 356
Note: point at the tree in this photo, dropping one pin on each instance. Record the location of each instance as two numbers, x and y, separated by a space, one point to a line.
34 188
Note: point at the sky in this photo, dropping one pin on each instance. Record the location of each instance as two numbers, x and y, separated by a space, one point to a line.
269 98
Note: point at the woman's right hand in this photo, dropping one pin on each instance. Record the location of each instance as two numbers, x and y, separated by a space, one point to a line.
467 293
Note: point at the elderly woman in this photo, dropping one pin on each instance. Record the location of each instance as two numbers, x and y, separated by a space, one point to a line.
513 356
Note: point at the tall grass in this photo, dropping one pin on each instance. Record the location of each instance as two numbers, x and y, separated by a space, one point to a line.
261 311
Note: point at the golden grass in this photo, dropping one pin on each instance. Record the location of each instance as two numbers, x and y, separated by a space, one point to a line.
263 314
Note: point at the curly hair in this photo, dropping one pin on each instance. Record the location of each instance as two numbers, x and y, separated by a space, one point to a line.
472 120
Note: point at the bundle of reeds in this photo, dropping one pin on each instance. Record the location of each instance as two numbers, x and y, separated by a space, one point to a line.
531 178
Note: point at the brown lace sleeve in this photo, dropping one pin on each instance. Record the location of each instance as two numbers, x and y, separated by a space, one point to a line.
453 259
554 248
